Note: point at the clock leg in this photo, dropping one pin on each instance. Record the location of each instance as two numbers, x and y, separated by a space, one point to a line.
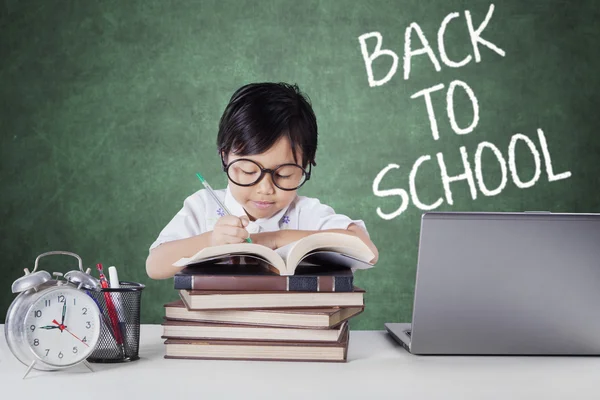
87 364
29 369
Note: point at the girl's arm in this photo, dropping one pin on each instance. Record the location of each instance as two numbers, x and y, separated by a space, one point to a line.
228 229
159 264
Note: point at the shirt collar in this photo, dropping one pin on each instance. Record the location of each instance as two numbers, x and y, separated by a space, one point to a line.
265 224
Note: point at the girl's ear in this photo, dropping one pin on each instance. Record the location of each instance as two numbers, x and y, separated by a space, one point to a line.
223 159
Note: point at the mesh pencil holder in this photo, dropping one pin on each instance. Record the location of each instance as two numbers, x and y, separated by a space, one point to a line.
120 323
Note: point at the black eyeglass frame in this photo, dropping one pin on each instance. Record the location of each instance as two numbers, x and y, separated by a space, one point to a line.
263 171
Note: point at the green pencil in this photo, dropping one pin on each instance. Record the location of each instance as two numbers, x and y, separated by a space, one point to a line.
214 196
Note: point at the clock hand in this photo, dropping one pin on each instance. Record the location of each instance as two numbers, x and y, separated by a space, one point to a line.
64 312
48 327
62 327
76 337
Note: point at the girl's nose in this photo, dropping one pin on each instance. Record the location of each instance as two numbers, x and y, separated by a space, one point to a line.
266 185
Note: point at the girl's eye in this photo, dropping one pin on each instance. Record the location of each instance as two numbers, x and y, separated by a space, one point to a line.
248 172
283 176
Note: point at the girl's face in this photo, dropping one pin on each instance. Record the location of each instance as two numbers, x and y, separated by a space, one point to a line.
264 199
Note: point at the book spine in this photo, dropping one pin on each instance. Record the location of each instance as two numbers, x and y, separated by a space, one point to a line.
294 283
343 284
183 282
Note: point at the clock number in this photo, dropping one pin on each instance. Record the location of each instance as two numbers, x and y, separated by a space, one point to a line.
75 350
36 342
47 302
60 354
88 324
47 351
32 327
74 301
37 313
84 340
61 298
84 311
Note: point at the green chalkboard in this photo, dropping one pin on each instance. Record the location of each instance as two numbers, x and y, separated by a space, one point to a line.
108 108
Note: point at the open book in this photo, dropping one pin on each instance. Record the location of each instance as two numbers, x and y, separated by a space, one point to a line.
322 248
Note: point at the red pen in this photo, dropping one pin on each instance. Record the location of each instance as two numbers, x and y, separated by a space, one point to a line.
112 312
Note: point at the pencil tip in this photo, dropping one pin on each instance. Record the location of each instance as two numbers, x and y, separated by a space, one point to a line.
200 177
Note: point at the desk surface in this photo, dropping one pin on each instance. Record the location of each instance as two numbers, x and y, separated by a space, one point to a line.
377 367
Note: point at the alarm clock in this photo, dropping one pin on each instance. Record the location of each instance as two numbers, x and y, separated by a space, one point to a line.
53 323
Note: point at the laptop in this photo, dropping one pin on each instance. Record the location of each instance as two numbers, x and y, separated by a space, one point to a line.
505 284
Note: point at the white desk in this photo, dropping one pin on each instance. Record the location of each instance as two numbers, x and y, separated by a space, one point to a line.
377 368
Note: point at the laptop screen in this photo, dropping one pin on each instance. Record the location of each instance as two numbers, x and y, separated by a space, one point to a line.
498 283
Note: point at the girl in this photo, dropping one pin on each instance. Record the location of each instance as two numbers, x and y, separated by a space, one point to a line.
267 141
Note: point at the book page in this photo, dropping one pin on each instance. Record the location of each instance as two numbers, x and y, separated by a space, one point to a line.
332 242
284 251
217 252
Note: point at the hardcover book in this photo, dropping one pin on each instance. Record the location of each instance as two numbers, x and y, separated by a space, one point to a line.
317 318
202 331
214 276
266 351
221 300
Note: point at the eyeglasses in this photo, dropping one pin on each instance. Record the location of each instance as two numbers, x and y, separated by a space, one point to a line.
244 172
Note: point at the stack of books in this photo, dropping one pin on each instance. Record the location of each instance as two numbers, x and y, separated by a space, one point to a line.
248 302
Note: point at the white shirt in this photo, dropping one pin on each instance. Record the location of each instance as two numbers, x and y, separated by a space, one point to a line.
200 213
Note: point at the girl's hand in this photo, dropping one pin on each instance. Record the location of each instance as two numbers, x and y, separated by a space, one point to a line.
229 229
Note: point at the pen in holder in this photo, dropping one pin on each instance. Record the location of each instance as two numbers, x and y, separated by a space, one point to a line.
120 328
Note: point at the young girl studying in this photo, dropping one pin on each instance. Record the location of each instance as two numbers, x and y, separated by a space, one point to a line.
267 142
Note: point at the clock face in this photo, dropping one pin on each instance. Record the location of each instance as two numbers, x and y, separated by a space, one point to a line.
63 326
